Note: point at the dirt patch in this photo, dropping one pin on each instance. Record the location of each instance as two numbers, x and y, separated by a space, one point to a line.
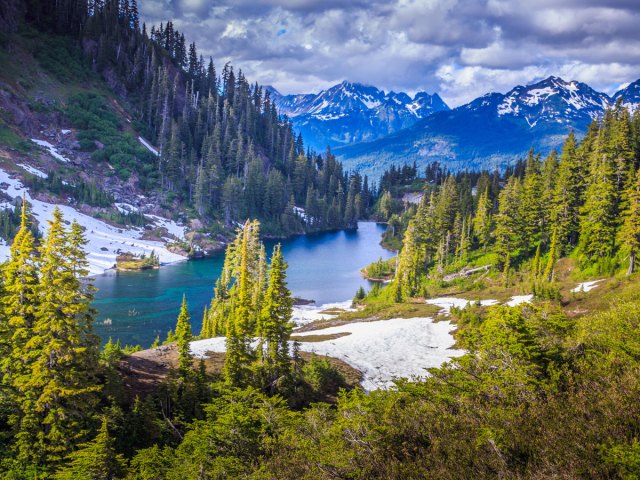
318 338
145 371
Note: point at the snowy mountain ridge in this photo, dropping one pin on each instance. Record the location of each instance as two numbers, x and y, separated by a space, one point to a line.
352 112
493 130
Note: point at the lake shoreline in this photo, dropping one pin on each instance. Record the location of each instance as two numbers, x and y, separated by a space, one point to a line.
324 267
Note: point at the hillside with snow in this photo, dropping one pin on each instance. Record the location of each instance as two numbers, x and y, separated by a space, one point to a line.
105 241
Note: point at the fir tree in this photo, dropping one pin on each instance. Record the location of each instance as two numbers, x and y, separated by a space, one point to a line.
19 304
96 460
61 389
482 222
531 208
598 222
508 225
275 321
630 232
183 338
567 195
407 272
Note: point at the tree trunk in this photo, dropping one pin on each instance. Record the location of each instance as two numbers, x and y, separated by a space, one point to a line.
632 263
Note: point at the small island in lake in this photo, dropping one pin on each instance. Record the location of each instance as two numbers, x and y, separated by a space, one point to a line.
131 262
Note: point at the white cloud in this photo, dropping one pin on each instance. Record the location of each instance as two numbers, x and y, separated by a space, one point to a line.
460 48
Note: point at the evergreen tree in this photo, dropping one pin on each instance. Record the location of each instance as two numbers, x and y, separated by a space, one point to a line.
407 272
630 232
482 222
57 398
275 325
96 460
567 195
508 225
19 304
598 221
531 208
183 338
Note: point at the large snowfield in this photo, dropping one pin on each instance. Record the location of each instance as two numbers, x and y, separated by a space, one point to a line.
382 350
105 241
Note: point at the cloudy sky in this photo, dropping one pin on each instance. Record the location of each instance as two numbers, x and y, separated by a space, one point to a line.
458 48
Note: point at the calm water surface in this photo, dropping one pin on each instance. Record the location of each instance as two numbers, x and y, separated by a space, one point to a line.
135 307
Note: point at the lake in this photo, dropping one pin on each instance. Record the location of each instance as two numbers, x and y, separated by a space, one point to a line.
135 307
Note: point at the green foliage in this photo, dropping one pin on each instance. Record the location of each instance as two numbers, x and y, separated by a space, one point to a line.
61 57
52 352
183 338
381 268
321 375
88 193
101 132
94 460
360 295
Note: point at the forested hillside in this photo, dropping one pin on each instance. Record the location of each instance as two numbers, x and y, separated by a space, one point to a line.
211 145
582 202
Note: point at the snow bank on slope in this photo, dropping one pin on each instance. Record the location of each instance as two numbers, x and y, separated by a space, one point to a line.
33 170
446 303
148 146
104 241
172 227
383 350
52 150
586 286
519 299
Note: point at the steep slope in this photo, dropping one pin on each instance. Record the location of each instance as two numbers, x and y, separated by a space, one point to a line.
352 112
42 82
490 131
118 122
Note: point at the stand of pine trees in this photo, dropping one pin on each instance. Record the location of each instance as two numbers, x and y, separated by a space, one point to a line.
47 346
584 202
252 301
224 152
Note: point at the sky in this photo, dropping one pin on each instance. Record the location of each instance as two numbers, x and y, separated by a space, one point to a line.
460 49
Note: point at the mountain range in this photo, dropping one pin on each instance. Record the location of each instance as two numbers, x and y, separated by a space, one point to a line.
370 130
352 112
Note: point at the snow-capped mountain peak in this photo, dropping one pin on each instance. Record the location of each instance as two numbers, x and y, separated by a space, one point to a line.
351 111
552 99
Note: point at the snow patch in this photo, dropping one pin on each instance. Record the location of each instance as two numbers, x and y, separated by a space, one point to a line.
149 146
586 286
301 213
446 303
172 227
33 170
537 94
519 299
125 207
52 150
303 314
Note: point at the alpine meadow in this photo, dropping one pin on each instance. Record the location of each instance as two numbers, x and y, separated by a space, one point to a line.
206 274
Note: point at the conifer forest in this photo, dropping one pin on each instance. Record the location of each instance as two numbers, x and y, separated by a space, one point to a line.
496 336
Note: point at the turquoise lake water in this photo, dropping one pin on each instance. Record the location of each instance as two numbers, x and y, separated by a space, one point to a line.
135 307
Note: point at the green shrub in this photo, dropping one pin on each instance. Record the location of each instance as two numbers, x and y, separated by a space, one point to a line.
322 377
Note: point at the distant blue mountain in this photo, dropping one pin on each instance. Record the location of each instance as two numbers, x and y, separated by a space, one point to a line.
630 95
351 112
492 130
